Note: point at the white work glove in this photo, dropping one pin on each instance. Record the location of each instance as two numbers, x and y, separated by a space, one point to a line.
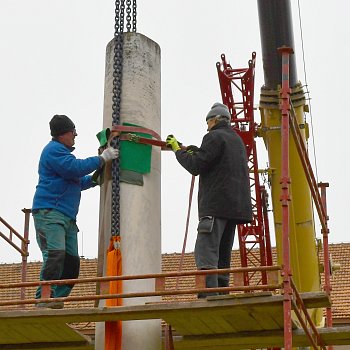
109 154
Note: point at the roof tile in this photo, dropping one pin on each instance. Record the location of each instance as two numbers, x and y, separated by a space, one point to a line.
340 254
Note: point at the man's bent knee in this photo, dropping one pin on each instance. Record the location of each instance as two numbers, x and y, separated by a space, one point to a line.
54 265
71 267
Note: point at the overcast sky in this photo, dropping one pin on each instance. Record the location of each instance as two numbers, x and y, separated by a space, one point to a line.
53 59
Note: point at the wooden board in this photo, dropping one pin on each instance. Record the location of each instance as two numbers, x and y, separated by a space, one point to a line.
252 340
37 335
220 319
50 346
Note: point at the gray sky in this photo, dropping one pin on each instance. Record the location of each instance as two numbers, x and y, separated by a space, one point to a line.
52 62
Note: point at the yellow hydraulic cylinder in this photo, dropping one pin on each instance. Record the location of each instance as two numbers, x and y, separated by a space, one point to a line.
303 245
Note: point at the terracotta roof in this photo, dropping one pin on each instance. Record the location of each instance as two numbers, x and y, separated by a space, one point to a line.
10 273
340 254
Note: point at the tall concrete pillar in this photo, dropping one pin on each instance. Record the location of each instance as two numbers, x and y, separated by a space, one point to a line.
139 205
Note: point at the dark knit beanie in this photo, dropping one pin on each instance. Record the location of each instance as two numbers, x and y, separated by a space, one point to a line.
218 109
60 124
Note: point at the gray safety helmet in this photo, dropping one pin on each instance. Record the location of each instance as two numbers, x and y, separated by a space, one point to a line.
218 109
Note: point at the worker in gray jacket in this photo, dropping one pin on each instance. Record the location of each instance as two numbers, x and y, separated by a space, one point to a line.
224 198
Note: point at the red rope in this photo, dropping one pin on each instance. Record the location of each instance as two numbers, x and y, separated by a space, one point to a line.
186 230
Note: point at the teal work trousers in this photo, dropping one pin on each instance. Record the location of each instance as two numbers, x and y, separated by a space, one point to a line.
56 235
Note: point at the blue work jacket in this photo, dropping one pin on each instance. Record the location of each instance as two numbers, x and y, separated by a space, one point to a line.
62 177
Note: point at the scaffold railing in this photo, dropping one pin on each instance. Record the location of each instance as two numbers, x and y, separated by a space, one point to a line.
160 289
291 294
22 248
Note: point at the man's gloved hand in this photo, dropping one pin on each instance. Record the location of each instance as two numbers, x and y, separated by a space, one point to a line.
192 149
172 143
97 177
109 154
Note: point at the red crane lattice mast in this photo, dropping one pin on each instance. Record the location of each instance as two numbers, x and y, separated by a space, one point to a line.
254 238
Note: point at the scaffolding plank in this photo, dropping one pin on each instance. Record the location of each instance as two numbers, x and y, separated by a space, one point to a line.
265 339
156 310
189 324
267 317
40 331
207 321
51 346
199 318
316 299
37 335
237 320
10 334
217 324
241 319
336 335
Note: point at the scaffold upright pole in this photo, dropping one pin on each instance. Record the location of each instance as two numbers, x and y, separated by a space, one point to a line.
24 247
285 198
327 268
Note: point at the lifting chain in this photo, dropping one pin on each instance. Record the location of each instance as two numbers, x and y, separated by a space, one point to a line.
134 13
130 9
116 99
128 15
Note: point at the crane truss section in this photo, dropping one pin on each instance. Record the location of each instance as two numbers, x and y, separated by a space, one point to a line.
254 237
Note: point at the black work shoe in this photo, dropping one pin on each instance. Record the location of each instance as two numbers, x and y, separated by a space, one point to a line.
224 293
51 305
205 295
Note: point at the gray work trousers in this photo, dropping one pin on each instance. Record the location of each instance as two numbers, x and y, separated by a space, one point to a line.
213 251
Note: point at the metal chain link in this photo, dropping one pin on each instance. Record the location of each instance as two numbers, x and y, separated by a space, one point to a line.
134 13
116 99
128 16
122 13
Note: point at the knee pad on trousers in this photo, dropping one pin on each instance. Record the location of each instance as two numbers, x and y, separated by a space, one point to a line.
71 267
54 265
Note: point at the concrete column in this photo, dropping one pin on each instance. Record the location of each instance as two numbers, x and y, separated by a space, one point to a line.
140 205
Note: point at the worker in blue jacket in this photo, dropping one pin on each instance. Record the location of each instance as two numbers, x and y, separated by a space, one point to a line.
62 177
224 198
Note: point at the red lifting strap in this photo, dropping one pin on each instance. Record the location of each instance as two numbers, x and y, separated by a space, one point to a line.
123 128
138 139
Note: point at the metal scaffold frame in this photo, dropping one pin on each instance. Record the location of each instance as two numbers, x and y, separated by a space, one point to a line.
256 234
24 242
254 238
292 299
285 198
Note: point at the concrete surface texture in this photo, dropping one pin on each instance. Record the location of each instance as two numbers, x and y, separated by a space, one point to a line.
139 205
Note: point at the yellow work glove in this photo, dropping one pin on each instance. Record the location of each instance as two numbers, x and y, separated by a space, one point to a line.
172 143
192 149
